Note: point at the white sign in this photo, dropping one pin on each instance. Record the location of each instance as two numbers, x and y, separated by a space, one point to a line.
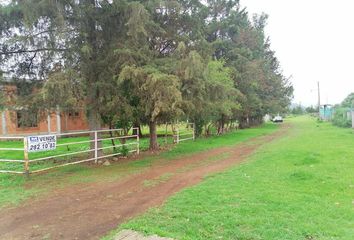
41 143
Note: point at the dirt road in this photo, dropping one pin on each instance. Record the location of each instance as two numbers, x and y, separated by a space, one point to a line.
90 211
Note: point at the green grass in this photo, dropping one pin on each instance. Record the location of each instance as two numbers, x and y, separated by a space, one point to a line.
15 189
228 139
298 187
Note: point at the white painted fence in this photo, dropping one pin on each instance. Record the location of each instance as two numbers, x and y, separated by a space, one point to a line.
184 132
11 149
96 146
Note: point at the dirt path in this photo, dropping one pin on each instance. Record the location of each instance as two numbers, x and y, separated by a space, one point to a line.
90 211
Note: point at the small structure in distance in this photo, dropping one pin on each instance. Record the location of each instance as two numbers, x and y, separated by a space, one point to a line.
326 112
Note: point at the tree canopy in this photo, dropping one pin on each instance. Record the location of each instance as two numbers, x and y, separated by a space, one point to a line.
348 102
144 62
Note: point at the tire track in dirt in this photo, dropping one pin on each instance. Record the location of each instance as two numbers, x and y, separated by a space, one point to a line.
90 211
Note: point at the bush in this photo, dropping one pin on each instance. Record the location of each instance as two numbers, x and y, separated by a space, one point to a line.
124 151
340 118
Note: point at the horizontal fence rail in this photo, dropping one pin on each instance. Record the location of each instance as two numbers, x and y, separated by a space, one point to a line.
8 150
70 148
184 132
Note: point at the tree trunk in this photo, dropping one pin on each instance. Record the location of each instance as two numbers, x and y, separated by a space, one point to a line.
229 125
94 124
207 130
244 122
111 135
166 130
153 136
138 130
222 124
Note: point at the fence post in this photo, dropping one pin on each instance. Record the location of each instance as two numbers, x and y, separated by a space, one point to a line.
25 152
138 142
177 135
193 131
166 141
96 147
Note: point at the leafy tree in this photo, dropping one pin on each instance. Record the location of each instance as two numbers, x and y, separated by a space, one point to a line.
348 101
298 110
223 96
190 68
159 95
78 35
256 72
311 109
143 62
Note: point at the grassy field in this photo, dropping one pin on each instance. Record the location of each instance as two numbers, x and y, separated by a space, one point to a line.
298 187
16 189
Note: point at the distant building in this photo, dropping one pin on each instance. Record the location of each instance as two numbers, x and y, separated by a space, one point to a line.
54 122
326 112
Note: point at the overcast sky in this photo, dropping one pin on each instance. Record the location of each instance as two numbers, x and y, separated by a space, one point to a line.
314 41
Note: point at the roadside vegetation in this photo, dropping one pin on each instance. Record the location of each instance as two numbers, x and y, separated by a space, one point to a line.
15 189
342 112
298 187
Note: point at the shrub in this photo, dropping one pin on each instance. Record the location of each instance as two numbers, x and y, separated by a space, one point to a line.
340 118
124 151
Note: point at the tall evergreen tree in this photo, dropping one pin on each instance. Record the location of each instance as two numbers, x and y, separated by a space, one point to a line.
143 62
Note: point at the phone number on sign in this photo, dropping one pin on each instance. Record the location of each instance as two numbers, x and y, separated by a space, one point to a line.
41 147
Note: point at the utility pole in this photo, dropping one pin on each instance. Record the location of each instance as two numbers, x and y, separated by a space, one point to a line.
319 100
